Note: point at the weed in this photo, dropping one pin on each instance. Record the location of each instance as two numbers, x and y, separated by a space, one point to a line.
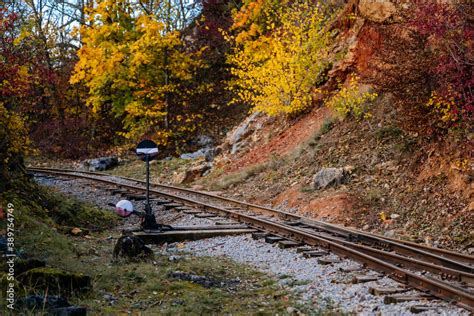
405 147
328 124
388 132
374 196
239 177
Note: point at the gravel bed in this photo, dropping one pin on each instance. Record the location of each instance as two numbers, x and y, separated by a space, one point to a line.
324 286
83 191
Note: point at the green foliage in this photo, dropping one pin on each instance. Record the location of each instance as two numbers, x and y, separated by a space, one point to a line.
280 56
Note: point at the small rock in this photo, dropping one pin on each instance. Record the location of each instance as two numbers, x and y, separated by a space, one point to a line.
76 231
390 233
394 216
470 208
174 258
109 298
366 227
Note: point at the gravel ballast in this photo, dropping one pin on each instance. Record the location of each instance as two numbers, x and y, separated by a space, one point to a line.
323 286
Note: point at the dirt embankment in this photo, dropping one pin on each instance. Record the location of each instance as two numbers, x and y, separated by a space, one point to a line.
408 181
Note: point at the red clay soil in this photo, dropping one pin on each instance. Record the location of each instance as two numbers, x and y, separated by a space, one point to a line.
332 206
283 143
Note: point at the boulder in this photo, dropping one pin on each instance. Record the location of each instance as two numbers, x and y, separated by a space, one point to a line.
206 153
377 11
331 177
204 141
191 174
100 164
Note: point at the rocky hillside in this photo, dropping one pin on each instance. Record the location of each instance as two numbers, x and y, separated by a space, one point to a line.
391 173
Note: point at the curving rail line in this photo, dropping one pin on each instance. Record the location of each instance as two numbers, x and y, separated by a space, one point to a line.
403 261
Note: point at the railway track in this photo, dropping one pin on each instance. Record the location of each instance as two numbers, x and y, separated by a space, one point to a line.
442 273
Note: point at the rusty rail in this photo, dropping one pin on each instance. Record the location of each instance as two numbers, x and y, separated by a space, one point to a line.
382 261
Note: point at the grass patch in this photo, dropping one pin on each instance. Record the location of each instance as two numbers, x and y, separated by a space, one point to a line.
233 179
311 145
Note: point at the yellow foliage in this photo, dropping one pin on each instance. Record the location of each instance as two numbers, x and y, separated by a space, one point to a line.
124 62
350 100
277 72
14 136
442 108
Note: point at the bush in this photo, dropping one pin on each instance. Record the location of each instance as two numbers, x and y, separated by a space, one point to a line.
350 100
448 30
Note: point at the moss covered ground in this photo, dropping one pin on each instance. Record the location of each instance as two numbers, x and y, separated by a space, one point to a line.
123 287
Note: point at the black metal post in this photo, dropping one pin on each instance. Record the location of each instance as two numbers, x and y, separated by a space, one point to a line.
150 220
148 208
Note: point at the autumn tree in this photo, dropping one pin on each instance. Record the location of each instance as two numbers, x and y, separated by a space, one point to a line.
14 87
280 55
136 67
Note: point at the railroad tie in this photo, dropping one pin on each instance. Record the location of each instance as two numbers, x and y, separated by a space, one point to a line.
205 215
315 253
326 261
350 268
364 279
259 235
303 249
226 223
386 290
192 212
394 299
417 309
283 244
273 239
171 206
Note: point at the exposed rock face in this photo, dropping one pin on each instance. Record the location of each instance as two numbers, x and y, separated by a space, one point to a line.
331 177
100 164
207 151
236 138
377 11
